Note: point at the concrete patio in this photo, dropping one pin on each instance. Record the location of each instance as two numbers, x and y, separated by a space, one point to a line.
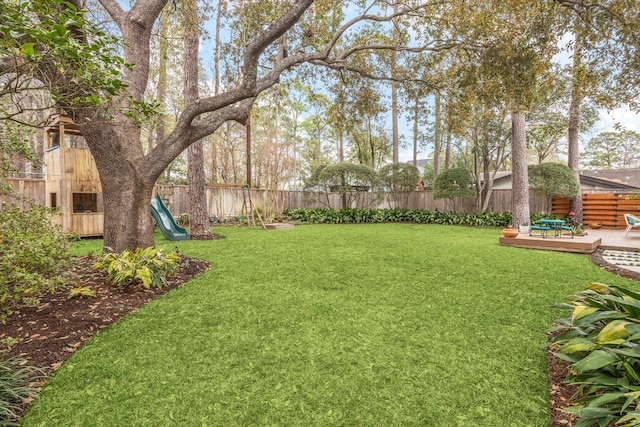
613 239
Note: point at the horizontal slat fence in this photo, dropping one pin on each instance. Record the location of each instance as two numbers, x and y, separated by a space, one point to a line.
606 209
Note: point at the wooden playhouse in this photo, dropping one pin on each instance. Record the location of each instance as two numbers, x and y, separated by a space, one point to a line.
72 183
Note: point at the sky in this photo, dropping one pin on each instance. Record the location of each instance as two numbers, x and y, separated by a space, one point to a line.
627 119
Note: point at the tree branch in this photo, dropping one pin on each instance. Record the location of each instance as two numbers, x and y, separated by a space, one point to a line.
256 47
114 10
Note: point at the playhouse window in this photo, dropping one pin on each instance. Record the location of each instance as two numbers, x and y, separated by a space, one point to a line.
85 202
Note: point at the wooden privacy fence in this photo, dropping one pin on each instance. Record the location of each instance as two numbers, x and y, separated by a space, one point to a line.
606 209
31 188
229 200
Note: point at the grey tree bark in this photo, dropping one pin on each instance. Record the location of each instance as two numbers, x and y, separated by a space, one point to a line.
574 120
519 169
437 135
198 213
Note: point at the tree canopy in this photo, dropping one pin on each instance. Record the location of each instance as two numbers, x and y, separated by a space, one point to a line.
480 59
553 179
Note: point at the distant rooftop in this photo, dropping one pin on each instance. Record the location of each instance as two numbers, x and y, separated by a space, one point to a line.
627 177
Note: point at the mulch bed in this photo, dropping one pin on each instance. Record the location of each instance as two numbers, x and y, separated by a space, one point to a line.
48 334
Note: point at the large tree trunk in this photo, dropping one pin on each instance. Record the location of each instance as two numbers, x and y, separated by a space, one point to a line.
394 98
519 170
574 122
126 188
198 214
437 135
416 118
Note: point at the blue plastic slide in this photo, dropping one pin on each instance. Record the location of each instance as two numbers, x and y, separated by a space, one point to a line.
165 221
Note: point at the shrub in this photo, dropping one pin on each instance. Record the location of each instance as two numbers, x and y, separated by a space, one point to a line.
33 251
15 388
147 267
420 216
399 179
553 179
349 180
600 341
454 184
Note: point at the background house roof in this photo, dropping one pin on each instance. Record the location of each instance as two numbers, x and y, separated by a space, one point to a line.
621 179
629 178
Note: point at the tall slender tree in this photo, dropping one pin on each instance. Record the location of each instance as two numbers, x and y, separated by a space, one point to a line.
198 212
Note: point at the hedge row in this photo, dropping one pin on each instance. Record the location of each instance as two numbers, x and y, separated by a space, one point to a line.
419 216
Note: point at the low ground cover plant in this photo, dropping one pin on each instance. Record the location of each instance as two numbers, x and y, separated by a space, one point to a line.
600 341
147 267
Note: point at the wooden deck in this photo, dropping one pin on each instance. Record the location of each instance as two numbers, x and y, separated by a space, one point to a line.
579 244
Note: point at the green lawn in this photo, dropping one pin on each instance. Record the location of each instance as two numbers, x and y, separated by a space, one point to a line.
392 324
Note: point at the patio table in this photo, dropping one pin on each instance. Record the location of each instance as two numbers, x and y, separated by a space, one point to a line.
557 225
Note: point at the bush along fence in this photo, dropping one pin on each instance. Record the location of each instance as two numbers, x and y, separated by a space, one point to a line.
419 216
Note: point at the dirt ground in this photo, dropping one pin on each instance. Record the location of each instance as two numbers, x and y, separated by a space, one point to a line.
48 334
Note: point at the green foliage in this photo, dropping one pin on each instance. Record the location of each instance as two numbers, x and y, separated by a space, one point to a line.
7 343
147 267
553 179
399 179
348 179
33 251
418 216
81 291
600 341
44 36
614 150
452 183
16 386
427 176
341 178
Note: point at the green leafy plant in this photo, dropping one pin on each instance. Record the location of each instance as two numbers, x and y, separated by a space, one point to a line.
419 216
600 341
83 291
454 184
16 386
553 179
399 180
7 343
147 267
579 229
33 251
350 181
